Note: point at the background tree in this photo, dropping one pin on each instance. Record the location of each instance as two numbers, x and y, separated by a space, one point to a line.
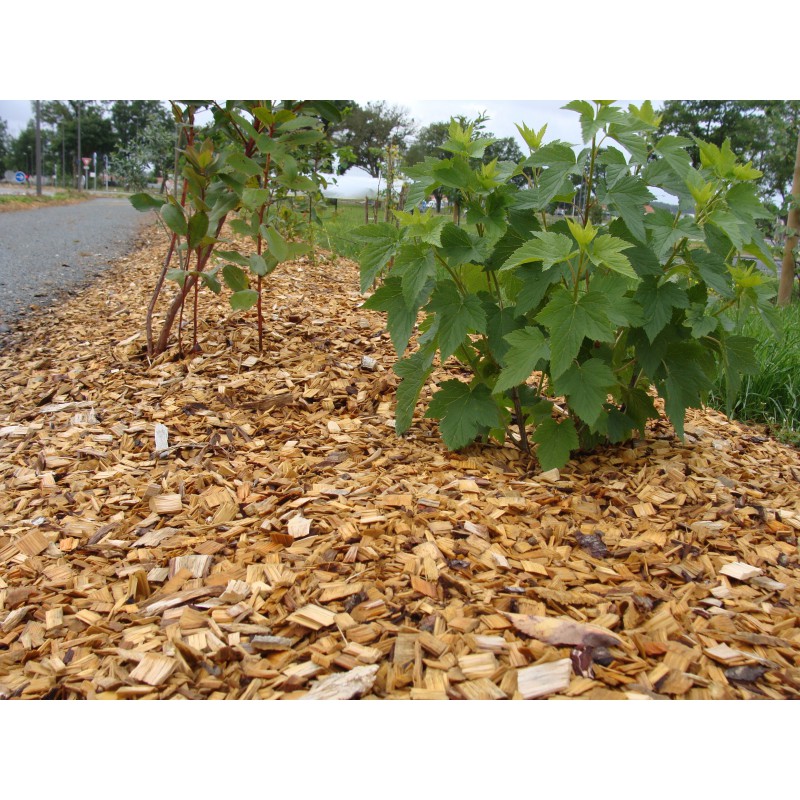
368 130
70 120
761 131
146 138
5 146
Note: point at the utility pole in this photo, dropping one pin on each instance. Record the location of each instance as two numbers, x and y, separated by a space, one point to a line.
38 149
80 159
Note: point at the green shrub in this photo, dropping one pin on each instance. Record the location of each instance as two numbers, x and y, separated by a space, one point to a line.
596 314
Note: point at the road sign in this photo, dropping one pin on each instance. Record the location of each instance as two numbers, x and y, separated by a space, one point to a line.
20 177
86 161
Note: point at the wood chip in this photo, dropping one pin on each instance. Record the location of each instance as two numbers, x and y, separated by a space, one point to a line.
284 535
544 679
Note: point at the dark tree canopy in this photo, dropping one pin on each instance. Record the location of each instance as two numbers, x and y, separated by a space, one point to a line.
368 130
761 131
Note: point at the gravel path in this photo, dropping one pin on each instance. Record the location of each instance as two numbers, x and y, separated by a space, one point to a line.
55 249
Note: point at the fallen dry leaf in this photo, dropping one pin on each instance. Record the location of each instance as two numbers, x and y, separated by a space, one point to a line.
562 631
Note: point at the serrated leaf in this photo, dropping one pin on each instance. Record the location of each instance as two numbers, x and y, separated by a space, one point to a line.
569 321
415 266
628 196
526 349
244 299
548 247
457 316
413 372
460 247
657 301
535 284
606 251
556 441
380 246
587 387
686 381
464 412
400 318
714 272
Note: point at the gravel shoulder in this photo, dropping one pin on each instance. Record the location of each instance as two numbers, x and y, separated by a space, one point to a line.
47 252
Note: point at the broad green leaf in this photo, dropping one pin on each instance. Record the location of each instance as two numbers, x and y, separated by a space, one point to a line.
145 202
457 316
658 300
686 382
460 247
413 372
527 348
255 198
241 163
700 320
606 251
464 412
197 228
262 264
455 173
731 226
401 319
232 255
380 246
556 441
235 278
587 387
552 163
569 321
211 282
244 299
174 218
666 231
243 228
535 284
548 247
278 246
714 271
673 150
426 228
500 321
177 275
642 258
622 311
415 266
628 196
639 406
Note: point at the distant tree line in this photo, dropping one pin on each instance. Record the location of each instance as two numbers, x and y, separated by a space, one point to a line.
114 130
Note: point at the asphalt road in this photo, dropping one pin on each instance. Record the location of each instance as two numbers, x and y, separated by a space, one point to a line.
48 251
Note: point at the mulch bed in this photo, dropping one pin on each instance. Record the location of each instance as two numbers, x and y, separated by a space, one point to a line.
241 524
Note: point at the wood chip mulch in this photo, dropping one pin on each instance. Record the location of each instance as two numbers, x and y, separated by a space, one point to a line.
235 524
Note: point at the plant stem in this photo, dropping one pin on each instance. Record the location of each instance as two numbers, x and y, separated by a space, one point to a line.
523 435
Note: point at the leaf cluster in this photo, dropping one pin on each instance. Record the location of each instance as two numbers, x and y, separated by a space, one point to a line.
568 328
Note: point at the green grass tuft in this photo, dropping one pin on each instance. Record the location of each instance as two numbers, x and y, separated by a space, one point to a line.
772 396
